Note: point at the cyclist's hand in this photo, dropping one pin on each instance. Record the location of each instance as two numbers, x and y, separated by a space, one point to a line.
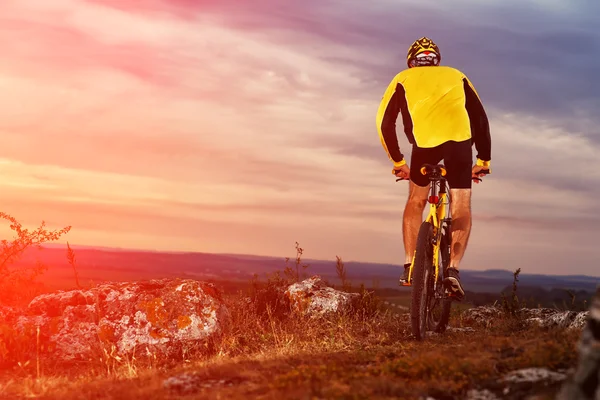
402 172
476 173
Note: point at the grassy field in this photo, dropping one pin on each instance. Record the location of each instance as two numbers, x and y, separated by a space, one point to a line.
365 354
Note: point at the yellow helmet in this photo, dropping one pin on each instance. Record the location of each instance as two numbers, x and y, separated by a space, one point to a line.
426 49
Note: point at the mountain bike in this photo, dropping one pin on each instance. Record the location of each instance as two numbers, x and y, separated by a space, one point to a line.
431 302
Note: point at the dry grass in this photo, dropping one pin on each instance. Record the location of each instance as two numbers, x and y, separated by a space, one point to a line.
272 354
442 366
269 352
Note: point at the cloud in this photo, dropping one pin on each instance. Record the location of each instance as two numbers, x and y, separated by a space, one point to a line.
236 126
520 64
527 63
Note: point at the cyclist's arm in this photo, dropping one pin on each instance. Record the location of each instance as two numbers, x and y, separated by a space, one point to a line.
480 127
389 108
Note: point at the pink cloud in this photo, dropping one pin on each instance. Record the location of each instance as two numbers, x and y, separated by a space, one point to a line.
68 134
227 125
51 50
179 8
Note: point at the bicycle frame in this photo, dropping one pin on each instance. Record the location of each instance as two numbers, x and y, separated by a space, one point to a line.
439 204
434 231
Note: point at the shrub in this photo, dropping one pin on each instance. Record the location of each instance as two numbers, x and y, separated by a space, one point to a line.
19 284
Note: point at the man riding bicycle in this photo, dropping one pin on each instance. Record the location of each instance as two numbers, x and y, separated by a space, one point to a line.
443 117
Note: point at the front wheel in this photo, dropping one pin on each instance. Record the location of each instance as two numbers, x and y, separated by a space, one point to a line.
439 303
420 280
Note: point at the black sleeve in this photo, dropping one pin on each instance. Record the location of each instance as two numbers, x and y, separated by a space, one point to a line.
388 128
480 127
397 104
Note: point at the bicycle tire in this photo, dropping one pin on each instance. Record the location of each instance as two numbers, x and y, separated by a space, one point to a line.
420 273
435 325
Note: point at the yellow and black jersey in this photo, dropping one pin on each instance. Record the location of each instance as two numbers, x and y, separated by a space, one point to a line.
438 104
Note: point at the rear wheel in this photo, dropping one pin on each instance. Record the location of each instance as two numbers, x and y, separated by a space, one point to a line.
420 279
439 304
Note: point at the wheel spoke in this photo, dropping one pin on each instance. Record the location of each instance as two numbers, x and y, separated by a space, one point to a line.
422 289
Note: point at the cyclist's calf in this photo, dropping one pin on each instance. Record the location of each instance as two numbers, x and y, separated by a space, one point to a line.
461 224
413 214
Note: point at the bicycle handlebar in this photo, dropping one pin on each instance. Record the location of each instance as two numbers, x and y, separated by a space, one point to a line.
443 173
484 172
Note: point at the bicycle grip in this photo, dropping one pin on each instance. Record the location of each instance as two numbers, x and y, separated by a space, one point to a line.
483 171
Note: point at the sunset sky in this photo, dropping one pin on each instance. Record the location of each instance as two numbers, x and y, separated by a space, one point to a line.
245 126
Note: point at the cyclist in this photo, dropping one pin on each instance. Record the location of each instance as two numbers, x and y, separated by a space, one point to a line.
442 117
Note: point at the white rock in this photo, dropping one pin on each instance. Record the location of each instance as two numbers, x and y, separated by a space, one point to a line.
163 313
312 296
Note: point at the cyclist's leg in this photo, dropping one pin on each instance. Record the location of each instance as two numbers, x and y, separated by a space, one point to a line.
413 217
461 224
417 197
458 158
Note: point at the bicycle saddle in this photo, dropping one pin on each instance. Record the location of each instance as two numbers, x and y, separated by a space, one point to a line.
433 170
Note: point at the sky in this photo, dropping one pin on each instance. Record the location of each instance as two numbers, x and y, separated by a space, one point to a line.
244 127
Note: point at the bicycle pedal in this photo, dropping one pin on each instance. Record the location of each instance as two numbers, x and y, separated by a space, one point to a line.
403 282
453 296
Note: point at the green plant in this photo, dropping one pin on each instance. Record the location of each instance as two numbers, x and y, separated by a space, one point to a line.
71 258
512 305
293 274
268 298
572 296
341 273
366 305
18 284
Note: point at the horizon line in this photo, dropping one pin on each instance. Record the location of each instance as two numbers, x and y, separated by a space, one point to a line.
139 250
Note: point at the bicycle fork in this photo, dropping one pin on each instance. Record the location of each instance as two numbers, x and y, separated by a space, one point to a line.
433 243
437 241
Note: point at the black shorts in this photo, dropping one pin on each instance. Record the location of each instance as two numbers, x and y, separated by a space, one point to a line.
458 160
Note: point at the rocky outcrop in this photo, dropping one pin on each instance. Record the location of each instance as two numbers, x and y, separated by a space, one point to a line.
6 313
163 314
544 317
549 318
313 297
518 384
481 315
584 383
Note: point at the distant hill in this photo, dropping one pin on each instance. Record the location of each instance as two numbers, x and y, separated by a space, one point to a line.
122 264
